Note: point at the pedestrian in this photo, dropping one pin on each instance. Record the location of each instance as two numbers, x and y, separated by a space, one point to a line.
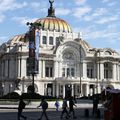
64 107
57 105
21 106
95 104
71 106
44 106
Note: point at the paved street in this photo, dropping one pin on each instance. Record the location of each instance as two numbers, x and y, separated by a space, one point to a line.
33 114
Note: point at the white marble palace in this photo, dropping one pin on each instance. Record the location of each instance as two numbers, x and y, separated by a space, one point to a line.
67 63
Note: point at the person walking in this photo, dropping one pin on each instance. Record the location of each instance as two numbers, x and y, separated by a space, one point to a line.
71 106
57 105
64 107
21 106
95 104
44 106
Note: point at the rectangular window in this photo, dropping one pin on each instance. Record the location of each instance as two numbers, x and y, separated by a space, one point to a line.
72 72
68 72
47 72
87 72
91 73
51 70
44 40
63 72
51 40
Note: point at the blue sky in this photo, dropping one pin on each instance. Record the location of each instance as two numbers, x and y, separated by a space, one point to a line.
98 20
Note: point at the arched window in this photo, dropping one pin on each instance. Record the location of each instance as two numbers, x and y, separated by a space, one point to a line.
107 53
44 40
68 69
51 40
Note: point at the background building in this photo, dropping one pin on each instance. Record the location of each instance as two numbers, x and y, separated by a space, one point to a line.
68 65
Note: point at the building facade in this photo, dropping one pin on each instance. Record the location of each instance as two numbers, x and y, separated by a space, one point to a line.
68 65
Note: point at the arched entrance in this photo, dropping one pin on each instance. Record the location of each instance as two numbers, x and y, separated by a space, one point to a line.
68 91
49 89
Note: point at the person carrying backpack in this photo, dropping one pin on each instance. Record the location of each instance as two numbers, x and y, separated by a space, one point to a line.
57 104
44 106
64 107
21 106
71 106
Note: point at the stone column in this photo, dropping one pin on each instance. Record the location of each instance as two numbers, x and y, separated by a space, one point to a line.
56 69
118 72
84 70
47 37
6 68
40 69
43 68
98 70
72 89
63 90
45 89
87 89
57 89
95 70
60 69
117 69
101 71
54 89
114 72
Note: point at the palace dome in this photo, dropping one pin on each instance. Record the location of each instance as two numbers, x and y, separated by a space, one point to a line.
54 24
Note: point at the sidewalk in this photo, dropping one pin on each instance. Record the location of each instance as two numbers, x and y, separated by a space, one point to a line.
33 105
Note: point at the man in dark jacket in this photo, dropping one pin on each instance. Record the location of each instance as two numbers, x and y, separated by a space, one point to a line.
95 104
21 106
71 106
44 106
64 107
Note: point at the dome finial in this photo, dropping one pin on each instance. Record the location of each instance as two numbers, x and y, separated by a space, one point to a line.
51 11
51 3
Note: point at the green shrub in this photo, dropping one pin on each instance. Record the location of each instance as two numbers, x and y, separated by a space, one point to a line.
12 95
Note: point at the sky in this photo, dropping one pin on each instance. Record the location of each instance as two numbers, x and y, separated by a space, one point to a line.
97 20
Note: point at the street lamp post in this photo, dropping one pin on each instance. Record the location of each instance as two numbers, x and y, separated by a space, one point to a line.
33 52
98 67
80 68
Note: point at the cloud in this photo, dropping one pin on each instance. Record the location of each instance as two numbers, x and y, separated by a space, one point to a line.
23 20
109 34
112 3
2 17
105 20
106 1
62 11
80 2
9 5
6 5
98 12
81 11
40 6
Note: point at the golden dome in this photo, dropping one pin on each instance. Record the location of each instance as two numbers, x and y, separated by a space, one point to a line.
54 24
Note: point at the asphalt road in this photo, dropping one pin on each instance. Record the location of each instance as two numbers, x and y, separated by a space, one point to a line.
34 114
